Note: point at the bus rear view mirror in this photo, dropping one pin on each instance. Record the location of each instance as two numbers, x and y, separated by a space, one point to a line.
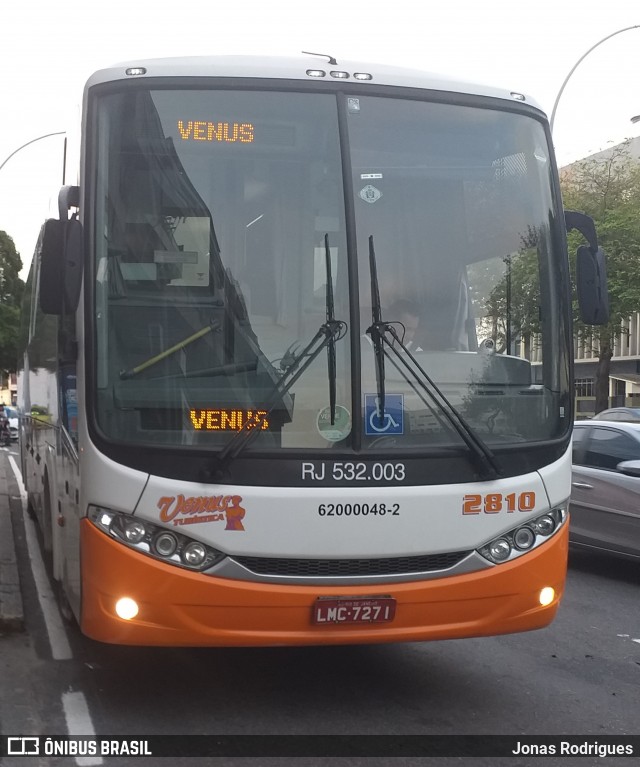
591 281
51 271
61 258
591 271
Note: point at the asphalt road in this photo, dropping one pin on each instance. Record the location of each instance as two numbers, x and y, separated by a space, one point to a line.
580 676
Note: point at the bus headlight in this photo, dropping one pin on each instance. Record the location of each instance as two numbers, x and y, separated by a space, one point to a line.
165 544
194 554
545 524
524 537
155 541
134 531
499 550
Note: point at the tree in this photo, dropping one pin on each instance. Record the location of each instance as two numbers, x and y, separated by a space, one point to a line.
607 187
11 291
513 305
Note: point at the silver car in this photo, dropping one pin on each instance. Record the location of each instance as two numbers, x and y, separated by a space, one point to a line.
605 487
631 414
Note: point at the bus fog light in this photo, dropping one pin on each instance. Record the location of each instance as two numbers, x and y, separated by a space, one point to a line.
547 595
134 531
194 554
524 538
545 525
500 550
126 608
165 544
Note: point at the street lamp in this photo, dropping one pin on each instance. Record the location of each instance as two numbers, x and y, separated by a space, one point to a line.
635 119
578 62
33 140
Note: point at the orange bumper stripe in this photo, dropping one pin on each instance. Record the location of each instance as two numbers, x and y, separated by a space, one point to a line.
182 608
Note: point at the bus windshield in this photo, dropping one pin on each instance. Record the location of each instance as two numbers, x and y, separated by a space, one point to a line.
219 216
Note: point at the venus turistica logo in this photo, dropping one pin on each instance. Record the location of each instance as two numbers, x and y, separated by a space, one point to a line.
189 510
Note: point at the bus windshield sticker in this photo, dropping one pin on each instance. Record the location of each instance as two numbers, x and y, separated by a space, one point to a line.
339 429
192 509
370 194
393 422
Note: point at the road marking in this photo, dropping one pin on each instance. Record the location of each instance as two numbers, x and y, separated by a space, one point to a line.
74 704
58 641
79 724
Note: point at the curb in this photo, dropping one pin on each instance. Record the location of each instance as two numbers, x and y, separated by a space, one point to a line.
11 608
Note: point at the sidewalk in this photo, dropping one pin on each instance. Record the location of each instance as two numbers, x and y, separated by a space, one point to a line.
11 610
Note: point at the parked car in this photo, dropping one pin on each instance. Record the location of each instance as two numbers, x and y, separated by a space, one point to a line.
605 487
12 415
631 414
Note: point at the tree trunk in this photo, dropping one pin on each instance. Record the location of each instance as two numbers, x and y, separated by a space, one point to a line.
602 375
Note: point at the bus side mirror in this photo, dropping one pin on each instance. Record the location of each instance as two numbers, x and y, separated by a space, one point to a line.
591 279
51 245
591 271
61 258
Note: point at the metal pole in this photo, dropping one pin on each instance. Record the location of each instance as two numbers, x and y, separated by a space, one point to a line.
578 62
33 140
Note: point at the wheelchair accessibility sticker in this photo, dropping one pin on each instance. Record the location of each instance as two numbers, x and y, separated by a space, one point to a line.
393 420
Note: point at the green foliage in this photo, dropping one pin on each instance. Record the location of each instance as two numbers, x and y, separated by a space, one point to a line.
516 297
11 290
607 187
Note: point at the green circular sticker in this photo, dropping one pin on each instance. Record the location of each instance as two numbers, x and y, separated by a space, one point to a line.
341 426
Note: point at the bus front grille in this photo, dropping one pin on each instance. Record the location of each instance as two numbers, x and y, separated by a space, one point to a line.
328 568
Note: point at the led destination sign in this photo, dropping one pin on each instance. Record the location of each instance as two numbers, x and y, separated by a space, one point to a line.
203 130
228 420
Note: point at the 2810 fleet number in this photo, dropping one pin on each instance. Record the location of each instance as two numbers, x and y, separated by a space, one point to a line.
494 503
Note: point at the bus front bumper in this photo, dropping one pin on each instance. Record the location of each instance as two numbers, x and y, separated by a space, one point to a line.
182 608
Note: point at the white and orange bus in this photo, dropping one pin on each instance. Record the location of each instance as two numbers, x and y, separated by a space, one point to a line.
297 357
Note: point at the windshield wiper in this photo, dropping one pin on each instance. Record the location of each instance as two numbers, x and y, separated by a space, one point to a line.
375 332
328 333
331 341
391 345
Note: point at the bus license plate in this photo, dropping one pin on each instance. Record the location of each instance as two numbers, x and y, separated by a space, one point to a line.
354 610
